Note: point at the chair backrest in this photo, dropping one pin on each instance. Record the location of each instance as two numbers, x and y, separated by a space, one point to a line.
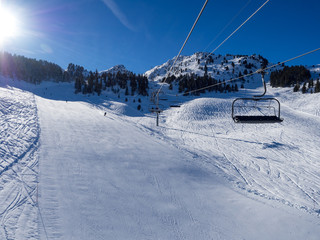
256 118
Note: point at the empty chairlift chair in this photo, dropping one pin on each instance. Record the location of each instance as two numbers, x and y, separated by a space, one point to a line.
256 109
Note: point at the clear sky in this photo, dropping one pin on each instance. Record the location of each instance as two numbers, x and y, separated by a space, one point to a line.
141 34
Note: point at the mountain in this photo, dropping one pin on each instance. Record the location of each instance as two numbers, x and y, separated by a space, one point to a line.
217 66
115 69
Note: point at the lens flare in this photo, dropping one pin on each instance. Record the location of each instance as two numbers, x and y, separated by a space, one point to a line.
8 25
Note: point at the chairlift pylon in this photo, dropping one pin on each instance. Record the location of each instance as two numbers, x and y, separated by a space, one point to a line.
268 113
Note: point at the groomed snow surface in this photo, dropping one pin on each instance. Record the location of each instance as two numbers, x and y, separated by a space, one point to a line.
69 172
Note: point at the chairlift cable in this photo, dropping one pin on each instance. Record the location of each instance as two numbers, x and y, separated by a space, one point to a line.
237 29
291 59
194 24
228 36
226 26
172 66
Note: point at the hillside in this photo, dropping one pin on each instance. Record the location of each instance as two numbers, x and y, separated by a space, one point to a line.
189 74
68 171
220 67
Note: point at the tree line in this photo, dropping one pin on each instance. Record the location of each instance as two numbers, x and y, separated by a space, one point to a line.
308 87
35 71
30 70
193 82
87 82
289 76
94 82
297 77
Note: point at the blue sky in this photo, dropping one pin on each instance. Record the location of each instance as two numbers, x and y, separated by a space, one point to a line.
141 34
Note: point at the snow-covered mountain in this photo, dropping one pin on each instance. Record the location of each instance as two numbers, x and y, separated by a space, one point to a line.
115 69
217 66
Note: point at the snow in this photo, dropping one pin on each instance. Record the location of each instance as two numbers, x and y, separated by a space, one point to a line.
219 67
69 172
19 131
254 157
115 69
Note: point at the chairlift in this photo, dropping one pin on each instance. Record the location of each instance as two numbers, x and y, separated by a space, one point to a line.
257 109
175 106
156 108
157 96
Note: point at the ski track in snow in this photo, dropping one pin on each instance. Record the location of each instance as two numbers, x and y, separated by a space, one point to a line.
275 161
121 198
19 132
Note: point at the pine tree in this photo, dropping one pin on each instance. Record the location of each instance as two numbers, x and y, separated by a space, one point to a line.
296 87
317 87
90 83
304 88
77 85
205 70
133 85
236 89
310 84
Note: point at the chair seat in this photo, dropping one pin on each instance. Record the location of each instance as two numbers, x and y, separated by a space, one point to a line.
257 119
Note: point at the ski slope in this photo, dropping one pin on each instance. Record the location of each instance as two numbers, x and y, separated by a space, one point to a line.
274 161
197 176
19 138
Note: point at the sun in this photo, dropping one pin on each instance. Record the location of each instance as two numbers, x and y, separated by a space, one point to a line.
8 25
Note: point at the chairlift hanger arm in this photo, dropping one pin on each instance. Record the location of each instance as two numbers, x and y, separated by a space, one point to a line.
264 86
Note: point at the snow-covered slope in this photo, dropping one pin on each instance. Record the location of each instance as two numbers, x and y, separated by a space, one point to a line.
19 137
218 66
104 171
275 161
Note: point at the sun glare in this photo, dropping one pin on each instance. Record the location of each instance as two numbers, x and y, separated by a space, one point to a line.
8 25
